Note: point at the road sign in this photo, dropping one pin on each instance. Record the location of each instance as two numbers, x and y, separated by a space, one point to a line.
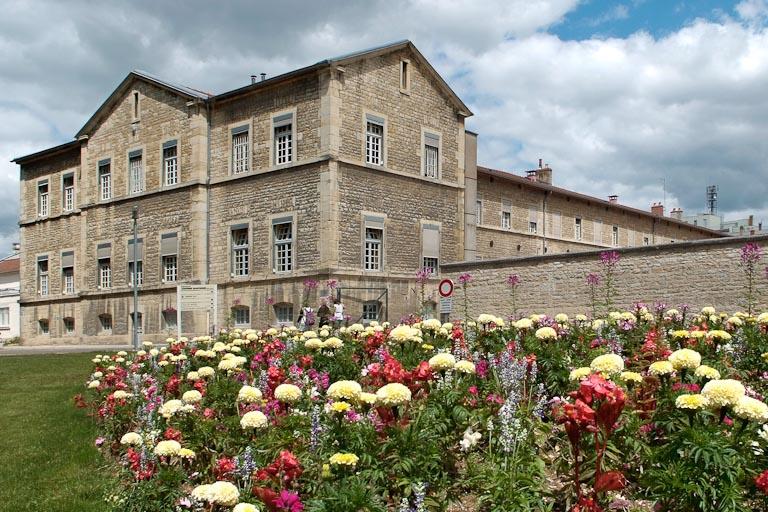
446 305
445 288
197 297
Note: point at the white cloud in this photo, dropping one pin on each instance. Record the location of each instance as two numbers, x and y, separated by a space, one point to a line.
752 10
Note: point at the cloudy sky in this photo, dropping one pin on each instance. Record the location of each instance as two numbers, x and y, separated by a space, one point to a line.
620 97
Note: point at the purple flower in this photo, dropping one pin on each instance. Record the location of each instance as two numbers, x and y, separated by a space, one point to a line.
423 275
289 501
609 258
310 284
99 441
593 279
465 278
270 301
513 280
751 253
332 284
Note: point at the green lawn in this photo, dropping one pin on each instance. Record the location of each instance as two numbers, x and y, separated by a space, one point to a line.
47 457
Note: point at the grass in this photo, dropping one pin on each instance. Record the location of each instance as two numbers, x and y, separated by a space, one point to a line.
47 457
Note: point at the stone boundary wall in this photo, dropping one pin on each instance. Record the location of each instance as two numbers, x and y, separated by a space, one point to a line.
699 273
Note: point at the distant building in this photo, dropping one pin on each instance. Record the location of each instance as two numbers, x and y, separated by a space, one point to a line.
738 227
9 297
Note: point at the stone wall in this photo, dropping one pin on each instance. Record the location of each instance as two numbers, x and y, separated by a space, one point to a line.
698 273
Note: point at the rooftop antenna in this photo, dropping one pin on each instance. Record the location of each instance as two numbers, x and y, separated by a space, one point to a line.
712 199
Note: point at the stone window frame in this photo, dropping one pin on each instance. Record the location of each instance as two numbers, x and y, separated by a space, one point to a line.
160 254
142 239
615 234
136 102
96 245
101 317
101 162
230 160
73 267
294 137
283 304
231 226
241 307
423 223
43 331
65 330
597 238
437 133
405 68
375 117
479 210
165 144
38 183
284 216
578 234
68 174
132 151
378 306
506 207
43 256
370 219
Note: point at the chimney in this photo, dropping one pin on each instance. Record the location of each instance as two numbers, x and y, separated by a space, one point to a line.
253 79
613 198
540 163
16 247
657 209
532 175
676 213
263 76
544 174
751 220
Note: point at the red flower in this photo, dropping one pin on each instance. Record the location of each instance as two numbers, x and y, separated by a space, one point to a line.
224 467
209 413
762 482
172 434
172 386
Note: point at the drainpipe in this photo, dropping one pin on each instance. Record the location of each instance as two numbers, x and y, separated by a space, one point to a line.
544 223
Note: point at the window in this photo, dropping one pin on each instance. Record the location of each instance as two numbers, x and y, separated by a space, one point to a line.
370 310
240 153
169 319
169 250
105 323
282 127
479 211
430 246
135 105
374 140
5 317
282 234
68 272
68 193
42 275
615 236
284 312
598 234
577 229
135 173
170 163
105 179
240 251
506 214
104 257
431 155
646 241
405 76
69 326
533 227
241 315
373 239
43 199
43 326
136 262
137 322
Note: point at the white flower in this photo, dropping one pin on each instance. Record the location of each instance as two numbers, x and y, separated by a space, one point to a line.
470 439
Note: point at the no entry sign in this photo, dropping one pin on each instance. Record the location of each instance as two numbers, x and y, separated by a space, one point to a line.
446 288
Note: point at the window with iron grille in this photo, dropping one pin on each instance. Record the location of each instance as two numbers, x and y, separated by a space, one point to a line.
283 144
170 268
69 280
506 220
283 239
533 227
241 315
370 310
105 273
240 256
615 236
105 181
431 157
69 193
577 229
43 200
171 165
373 243
284 312
431 264
240 153
374 140
105 322
69 326
43 325
42 276
139 266
135 175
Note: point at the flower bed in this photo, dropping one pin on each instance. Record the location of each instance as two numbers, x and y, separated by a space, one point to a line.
641 410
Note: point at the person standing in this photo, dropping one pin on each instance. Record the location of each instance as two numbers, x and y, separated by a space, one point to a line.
338 313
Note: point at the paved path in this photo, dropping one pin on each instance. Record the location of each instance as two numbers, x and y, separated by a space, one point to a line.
24 350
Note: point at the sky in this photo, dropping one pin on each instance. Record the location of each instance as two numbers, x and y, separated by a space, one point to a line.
646 99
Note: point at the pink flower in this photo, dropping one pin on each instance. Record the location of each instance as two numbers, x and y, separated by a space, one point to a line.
513 280
465 278
289 501
609 258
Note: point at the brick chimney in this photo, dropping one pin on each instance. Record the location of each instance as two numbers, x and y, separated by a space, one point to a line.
657 209
676 213
613 198
532 175
544 174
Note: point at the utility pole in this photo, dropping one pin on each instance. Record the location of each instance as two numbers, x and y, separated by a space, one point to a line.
135 279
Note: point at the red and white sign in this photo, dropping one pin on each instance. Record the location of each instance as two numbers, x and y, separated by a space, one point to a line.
445 288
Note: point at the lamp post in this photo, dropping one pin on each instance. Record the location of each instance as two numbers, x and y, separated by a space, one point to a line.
135 216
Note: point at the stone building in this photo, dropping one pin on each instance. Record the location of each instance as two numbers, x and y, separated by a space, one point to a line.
356 169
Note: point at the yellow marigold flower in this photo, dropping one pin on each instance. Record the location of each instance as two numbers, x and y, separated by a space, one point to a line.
561 318
167 448
685 358
707 372
339 407
486 319
193 376
442 361
192 396
326 471
94 384
186 453
170 408
203 493
427 346
132 439
120 394
205 371
287 393
432 324
751 409
607 363
253 419
697 334
356 328
581 318
245 507
333 343
393 394
367 398
546 333
313 343
249 394
722 393
762 318
693 402
524 323
580 373
344 459
225 493
404 333
719 335
598 324
661 368
465 366
344 390
735 321
680 334
708 310
631 377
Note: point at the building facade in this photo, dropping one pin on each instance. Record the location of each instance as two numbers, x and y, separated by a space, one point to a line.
9 298
356 169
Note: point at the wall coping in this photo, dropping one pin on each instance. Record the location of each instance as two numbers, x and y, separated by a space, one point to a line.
647 250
